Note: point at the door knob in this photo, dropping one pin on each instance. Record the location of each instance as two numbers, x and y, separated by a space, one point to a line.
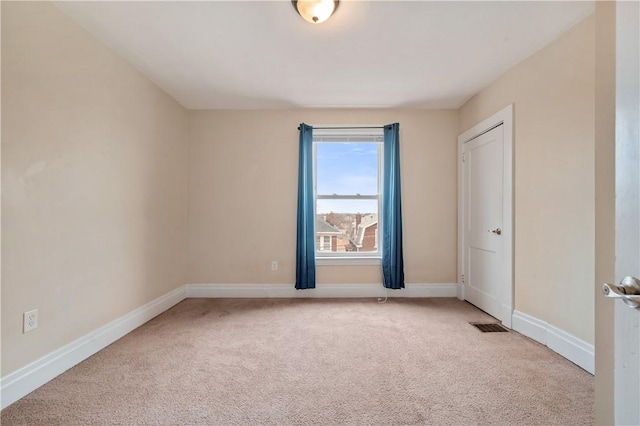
496 231
628 291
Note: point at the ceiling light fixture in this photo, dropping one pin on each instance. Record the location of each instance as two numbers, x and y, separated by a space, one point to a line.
315 11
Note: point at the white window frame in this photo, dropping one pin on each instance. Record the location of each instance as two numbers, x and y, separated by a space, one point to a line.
347 133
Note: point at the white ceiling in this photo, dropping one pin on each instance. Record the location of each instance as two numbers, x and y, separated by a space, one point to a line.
261 54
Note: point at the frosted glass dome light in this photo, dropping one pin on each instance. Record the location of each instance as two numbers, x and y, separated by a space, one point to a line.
315 11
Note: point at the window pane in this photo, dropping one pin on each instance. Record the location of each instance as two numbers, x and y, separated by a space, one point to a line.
347 168
347 226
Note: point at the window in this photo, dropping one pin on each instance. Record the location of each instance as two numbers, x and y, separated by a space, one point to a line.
347 186
323 242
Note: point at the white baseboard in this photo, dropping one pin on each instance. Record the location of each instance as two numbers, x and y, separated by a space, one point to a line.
321 291
30 377
575 350
531 327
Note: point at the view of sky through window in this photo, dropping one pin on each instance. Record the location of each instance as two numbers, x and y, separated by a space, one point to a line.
347 168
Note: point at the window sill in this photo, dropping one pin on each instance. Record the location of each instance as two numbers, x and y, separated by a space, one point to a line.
347 261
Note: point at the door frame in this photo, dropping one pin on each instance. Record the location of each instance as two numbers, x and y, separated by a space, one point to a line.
503 117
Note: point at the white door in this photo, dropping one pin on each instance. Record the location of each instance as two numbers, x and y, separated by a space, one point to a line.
483 221
627 319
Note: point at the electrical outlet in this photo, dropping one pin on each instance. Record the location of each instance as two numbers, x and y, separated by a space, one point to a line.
274 265
30 321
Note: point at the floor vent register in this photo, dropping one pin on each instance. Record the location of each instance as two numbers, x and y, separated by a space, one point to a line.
489 327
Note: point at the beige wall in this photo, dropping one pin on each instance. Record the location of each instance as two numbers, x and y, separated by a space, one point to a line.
243 192
94 184
604 207
553 93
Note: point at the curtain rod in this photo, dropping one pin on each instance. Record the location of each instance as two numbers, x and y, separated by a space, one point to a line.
347 127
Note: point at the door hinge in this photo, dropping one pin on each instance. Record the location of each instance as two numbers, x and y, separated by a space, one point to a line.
463 158
462 278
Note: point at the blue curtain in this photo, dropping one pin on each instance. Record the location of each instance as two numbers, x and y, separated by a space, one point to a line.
392 260
305 242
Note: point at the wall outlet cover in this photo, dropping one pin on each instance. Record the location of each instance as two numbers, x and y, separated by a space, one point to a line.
30 321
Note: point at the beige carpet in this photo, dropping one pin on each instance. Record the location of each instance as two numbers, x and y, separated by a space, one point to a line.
305 361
